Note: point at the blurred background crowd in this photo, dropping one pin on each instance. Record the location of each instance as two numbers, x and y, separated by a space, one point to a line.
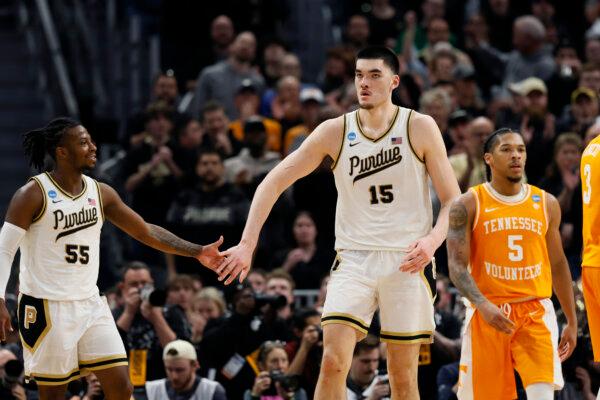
193 103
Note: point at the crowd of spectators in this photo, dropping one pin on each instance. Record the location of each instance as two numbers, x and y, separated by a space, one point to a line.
266 76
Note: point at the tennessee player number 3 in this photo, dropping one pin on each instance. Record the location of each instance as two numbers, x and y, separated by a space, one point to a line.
587 186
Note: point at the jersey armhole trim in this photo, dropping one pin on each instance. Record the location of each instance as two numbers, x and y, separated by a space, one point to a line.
335 162
545 208
100 200
412 149
44 204
476 219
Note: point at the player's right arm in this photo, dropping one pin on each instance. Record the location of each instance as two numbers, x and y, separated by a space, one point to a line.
324 141
26 204
458 243
126 219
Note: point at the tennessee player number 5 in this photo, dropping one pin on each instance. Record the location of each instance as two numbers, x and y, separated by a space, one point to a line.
517 250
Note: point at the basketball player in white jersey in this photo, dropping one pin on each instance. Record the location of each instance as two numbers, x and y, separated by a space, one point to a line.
382 158
66 327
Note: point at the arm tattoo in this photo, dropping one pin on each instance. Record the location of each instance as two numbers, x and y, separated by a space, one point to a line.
170 243
458 254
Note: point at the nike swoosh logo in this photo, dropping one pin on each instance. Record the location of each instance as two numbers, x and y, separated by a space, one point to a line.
56 201
491 209
354 144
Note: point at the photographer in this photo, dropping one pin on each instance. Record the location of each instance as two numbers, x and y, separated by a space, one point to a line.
227 347
363 381
272 382
11 375
147 326
306 349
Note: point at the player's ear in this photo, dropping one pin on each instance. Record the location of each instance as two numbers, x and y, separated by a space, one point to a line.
395 81
487 158
61 152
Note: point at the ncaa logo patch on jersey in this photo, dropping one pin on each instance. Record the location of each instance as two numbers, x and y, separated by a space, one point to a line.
351 135
536 198
52 194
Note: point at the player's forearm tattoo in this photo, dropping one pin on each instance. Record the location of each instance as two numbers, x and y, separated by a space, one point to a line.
174 244
458 254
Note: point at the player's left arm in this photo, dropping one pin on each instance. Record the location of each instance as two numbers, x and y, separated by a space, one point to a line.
429 147
562 282
117 212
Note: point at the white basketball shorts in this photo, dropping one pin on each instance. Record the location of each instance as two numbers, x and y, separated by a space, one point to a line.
361 281
65 340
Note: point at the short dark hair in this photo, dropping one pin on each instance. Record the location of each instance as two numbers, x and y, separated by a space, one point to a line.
491 142
210 106
167 74
134 266
301 315
180 280
381 53
368 343
209 150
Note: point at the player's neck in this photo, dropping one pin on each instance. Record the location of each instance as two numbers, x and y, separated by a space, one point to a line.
379 117
70 181
505 187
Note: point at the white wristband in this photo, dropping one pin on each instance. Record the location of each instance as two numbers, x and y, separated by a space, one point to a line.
10 239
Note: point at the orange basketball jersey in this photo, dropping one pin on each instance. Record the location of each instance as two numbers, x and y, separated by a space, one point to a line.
509 258
590 184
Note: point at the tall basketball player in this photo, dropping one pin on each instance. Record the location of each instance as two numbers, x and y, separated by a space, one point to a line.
382 157
66 328
505 255
590 180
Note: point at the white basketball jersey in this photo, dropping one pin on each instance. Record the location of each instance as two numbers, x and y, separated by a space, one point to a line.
383 193
60 252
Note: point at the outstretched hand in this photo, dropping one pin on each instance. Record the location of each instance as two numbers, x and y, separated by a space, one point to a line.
236 263
210 256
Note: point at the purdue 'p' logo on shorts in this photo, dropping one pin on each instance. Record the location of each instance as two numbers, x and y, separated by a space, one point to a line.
34 320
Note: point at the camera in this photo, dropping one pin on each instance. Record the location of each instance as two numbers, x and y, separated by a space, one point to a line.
275 301
13 370
566 71
12 373
156 297
289 383
320 330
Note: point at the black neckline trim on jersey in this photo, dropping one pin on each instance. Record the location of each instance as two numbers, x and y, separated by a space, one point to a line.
384 134
64 191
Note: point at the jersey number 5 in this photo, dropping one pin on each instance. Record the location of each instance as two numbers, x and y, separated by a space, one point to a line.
516 250
587 184
385 194
77 253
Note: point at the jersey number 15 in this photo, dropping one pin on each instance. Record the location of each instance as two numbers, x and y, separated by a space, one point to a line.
385 194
